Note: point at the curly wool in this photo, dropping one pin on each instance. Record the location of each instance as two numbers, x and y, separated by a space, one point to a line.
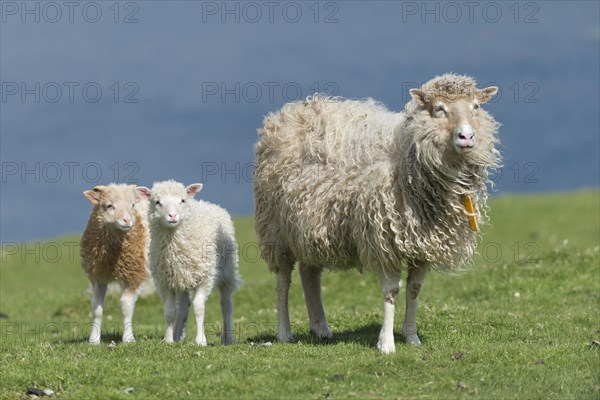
109 255
197 252
347 183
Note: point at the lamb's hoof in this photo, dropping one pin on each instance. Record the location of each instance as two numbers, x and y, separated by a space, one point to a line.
95 342
386 347
412 339
200 342
128 339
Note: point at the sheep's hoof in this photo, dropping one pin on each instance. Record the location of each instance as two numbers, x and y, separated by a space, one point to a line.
386 347
227 340
285 338
323 334
95 342
412 339
128 339
200 342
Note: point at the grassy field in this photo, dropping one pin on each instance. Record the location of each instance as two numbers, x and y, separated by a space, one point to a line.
520 324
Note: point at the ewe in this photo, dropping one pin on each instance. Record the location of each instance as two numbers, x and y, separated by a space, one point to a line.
192 248
345 184
114 247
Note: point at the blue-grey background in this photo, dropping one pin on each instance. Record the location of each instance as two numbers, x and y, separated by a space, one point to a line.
169 56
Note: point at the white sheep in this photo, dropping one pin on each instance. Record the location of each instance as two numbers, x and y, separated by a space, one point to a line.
344 183
114 248
192 248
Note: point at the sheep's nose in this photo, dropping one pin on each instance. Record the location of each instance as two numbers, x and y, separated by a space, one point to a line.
466 132
126 220
172 215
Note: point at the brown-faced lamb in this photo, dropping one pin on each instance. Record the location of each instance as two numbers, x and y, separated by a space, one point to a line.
114 248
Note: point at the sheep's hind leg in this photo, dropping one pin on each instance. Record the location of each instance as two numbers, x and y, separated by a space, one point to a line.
98 294
416 275
170 309
311 285
128 299
390 285
283 278
227 312
198 303
183 307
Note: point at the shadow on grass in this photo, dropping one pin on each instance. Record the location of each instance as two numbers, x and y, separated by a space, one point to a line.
365 336
107 337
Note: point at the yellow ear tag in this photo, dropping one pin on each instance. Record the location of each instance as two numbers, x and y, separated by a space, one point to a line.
471 210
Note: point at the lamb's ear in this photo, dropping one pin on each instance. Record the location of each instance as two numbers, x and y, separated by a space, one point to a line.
93 195
142 192
486 94
193 189
418 96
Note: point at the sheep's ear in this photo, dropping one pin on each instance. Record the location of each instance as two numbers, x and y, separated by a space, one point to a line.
93 195
418 96
486 94
142 192
193 189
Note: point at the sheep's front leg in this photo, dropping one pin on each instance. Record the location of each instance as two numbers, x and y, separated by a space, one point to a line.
390 285
128 299
98 294
416 275
283 281
169 300
311 285
183 308
198 303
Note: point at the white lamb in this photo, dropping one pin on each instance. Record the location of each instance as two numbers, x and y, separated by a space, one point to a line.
192 248
114 248
344 183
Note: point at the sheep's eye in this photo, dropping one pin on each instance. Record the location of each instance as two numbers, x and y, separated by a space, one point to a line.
132 205
183 200
157 202
440 111
109 206
475 106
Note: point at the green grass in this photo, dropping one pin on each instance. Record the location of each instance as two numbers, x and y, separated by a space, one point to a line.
480 338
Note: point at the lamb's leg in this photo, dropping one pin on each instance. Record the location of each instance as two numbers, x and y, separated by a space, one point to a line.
390 285
198 303
98 294
183 308
283 281
227 311
311 285
169 300
416 275
128 299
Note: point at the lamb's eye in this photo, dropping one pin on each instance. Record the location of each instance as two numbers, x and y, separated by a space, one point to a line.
157 202
183 200
475 106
